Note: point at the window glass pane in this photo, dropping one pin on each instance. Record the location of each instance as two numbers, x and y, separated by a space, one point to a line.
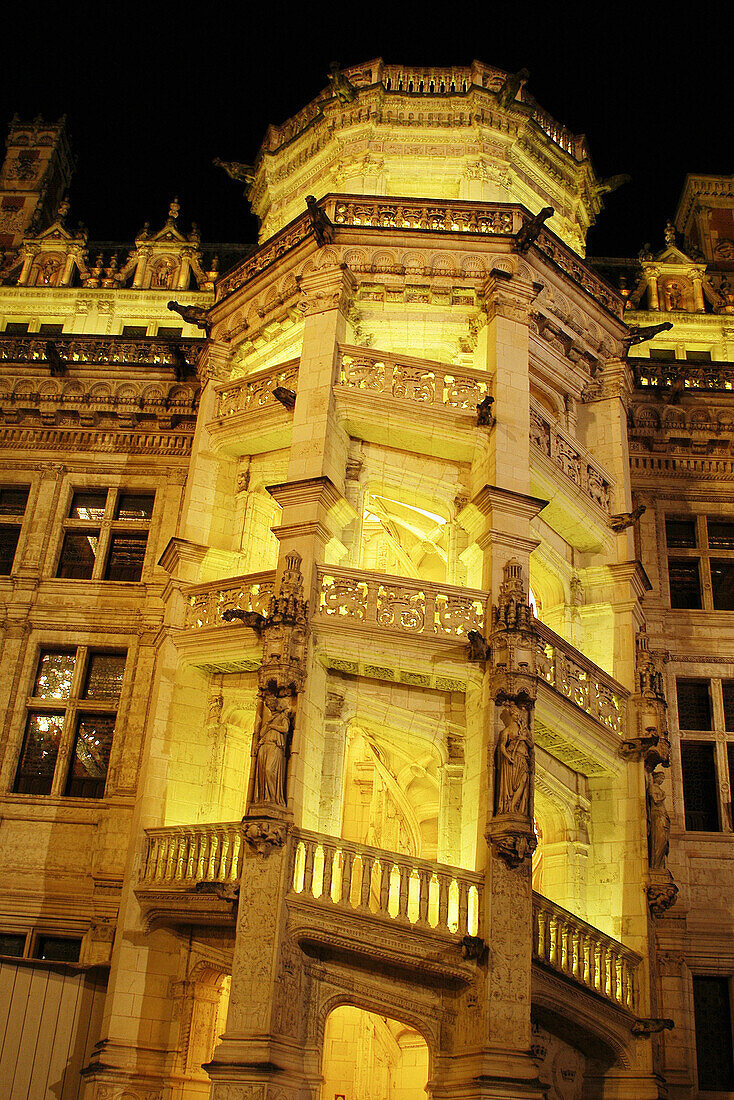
698 356
694 704
125 560
10 944
77 555
721 534
13 501
722 585
8 545
134 330
680 534
104 676
728 689
51 328
712 1013
17 328
135 506
88 505
170 330
662 353
685 584
91 756
38 758
53 678
699 787
57 949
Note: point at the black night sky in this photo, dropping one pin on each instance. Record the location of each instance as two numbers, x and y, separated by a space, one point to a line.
152 93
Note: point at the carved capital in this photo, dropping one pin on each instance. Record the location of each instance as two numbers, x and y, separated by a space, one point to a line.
509 297
264 836
330 288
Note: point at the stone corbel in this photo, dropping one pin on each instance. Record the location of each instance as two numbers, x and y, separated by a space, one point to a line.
634 748
263 835
329 288
661 892
512 838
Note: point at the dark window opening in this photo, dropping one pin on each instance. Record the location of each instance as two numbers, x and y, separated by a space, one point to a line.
91 756
13 501
57 949
77 555
134 330
88 505
721 534
39 753
680 534
685 584
712 1014
694 704
12 944
722 585
17 328
699 787
135 506
126 556
50 329
8 545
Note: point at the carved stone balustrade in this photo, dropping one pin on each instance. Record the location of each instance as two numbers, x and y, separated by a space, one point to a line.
340 874
412 379
208 602
662 375
580 680
433 215
355 597
105 350
250 393
184 855
583 954
571 458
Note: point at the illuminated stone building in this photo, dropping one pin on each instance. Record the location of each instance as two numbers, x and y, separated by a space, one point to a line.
341 655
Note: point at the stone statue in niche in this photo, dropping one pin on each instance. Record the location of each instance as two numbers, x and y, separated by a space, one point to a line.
514 762
272 747
658 821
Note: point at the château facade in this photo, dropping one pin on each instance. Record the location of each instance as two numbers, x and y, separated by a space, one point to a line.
369 688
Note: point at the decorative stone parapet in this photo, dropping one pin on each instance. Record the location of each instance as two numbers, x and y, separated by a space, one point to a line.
584 954
399 603
110 351
255 390
571 458
183 855
391 886
411 379
207 603
677 374
580 680
425 214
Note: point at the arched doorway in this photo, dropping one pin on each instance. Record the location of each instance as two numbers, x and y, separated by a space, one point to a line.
372 1057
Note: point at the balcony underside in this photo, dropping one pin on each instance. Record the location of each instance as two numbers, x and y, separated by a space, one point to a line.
408 425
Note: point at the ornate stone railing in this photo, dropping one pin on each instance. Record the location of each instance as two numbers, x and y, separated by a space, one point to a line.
107 350
346 876
208 602
571 458
255 390
580 680
400 603
263 257
424 214
583 953
180 856
665 374
411 379
577 269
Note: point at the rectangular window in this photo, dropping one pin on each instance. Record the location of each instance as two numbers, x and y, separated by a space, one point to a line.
694 704
662 353
680 534
134 330
56 948
700 797
170 331
722 585
106 535
49 329
698 356
70 723
712 1014
12 944
685 583
13 501
17 328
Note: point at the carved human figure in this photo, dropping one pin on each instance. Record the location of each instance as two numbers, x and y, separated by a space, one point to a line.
514 762
658 822
271 750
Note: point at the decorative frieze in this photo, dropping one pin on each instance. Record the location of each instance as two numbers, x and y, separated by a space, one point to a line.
570 458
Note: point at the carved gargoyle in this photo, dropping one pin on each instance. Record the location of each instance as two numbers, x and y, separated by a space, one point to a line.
478 646
611 183
225 891
473 947
529 232
243 173
286 397
322 228
644 1028
195 315
56 364
341 85
623 520
508 92
639 333
250 618
484 412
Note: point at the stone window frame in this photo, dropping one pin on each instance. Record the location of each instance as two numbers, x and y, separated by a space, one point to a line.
701 553
73 708
105 527
32 939
718 736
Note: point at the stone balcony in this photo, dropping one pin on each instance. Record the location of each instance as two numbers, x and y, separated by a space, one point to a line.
372 906
249 419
